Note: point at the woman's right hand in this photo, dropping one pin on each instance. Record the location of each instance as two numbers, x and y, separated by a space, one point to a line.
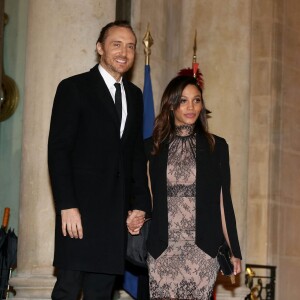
237 265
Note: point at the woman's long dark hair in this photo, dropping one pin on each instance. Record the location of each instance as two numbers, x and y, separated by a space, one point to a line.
164 126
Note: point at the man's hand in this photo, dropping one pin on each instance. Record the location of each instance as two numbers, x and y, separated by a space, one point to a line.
71 223
135 221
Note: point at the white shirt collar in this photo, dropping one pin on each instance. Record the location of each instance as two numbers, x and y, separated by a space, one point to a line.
109 80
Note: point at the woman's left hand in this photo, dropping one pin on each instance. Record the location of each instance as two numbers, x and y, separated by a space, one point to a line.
237 265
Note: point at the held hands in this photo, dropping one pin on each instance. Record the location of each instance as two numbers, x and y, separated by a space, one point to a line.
71 223
135 221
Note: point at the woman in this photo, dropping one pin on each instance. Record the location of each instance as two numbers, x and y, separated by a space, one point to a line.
192 207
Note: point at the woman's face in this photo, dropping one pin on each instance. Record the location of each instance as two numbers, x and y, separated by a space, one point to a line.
190 106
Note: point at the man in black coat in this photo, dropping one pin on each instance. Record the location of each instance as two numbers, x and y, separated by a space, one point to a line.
97 169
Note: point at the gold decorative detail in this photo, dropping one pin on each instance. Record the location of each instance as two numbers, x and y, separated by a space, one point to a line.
249 282
9 98
148 42
9 94
195 48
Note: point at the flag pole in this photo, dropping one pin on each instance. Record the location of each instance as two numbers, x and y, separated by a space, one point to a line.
195 47
148 42
195 64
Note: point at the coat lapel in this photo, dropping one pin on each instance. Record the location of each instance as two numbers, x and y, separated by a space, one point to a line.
103 96
161 164
159 174
203 162
204 175
129 110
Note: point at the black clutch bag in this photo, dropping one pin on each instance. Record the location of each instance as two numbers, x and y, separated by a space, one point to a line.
223 256
136 246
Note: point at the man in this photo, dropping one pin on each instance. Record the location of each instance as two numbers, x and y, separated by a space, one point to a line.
97 166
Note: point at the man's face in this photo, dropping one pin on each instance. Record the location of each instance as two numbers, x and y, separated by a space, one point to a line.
118 51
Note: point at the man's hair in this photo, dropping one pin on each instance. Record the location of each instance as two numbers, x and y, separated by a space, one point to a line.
118 23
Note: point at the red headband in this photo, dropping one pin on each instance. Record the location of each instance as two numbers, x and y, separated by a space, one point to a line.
194 73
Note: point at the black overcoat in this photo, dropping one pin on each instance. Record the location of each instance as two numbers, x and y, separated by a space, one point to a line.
212 174
92 169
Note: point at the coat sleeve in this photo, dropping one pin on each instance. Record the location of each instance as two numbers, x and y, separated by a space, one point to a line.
141 194
63 129
227 201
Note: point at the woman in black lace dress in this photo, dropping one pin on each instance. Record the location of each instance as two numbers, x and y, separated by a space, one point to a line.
192 207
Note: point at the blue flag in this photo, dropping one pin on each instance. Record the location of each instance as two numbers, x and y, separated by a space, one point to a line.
130 283
149 115
131 279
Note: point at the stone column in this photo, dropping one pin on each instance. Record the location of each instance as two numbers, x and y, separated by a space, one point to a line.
60 43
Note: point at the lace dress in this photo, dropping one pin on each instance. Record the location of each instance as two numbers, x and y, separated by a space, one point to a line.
183 270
